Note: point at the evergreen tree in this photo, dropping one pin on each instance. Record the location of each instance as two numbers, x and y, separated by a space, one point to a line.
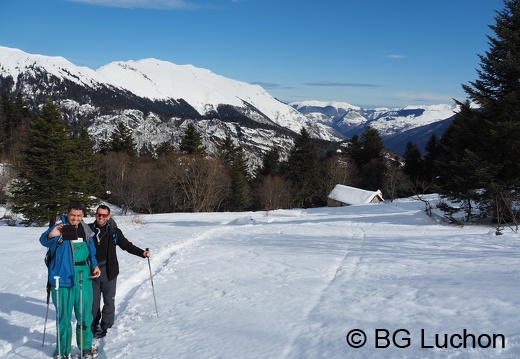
191 142
164 148
4 113
413 162
456 147
366 152
88 163
432 149
239 198
13 116
484 142
122 140
303 172
240 191
46 181
367 147
270 163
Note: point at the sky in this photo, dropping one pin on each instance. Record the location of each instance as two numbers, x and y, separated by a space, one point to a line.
287 284
376 53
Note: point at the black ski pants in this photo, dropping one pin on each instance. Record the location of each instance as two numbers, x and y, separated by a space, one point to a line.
106 288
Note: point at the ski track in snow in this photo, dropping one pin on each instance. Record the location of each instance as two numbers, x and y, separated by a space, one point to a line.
168 256
141 282
342 272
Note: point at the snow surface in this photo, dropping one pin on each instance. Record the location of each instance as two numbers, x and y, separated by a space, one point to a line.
287 284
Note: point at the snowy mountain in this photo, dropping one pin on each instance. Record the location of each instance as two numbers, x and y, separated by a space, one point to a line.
157 99
397 126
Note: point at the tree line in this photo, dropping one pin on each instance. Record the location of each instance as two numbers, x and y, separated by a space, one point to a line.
473 165
49 164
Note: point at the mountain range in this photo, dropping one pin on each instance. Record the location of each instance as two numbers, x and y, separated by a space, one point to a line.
157 99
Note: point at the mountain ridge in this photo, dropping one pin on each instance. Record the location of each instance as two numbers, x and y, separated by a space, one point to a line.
167 95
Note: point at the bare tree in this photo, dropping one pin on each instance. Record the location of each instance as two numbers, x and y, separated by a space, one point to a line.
395 182
274 193
141 183
7 174
339 170
198 184
117 171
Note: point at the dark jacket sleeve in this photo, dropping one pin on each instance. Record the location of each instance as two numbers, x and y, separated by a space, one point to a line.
128 246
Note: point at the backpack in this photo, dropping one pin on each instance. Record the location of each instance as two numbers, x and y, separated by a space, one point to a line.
49 256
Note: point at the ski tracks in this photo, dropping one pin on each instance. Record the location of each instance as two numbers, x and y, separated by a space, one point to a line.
139 282
306 339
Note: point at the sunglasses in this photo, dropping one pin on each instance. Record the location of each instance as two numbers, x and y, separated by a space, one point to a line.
101 215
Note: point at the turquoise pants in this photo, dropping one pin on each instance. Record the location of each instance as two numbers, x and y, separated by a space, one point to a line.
69 299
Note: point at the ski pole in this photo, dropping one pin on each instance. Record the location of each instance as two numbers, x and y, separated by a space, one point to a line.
81 313
57 279
47 312
151 279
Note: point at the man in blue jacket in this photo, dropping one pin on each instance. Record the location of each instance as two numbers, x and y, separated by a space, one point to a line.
72 259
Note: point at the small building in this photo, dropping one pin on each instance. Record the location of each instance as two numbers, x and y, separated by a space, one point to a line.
343 195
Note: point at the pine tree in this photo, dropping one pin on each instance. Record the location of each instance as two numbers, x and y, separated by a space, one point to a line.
367 147
303 172
121 140
479 152
366 151
13 117
270 163
88 176
45 184
413 162
191 141
239 198
4 113
164 149
432 149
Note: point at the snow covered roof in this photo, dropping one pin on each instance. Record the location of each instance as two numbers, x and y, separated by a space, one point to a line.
351 195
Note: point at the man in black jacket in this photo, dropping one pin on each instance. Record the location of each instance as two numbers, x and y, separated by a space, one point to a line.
107 236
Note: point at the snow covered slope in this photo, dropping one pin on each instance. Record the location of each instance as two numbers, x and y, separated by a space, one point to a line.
287 284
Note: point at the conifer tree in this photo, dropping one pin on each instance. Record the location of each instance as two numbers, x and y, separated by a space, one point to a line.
413 162
303 171
4 113
88 165
164 148
366 151
366 147
432 149
121 140
191 141
479 152
239 198
46 181
270 163
14 115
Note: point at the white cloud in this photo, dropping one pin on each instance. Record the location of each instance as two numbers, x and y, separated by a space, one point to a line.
395 56
425 97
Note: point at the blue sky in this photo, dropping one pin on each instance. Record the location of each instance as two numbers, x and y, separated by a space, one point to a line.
367 53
